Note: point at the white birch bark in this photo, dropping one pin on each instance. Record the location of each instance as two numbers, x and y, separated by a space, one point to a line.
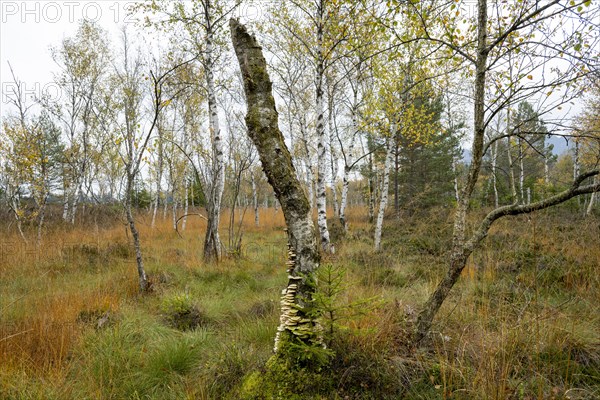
212 241
494 171
547 166
254 199
456 192
65 215
186 205
511 170
159 173
332 157
590 206
521 171
384 193
321 147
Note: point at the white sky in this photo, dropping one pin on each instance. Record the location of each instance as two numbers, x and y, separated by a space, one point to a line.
29 28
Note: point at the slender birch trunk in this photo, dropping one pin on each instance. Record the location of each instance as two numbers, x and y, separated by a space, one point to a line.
494 172
371 193
521 170
76 198
321 147
186 204
348 163
590 207
303 255
334 164
397 178
511 171
142 277
212 241
174 213
15 207
159 174
65 214
384 192
455 173
254 199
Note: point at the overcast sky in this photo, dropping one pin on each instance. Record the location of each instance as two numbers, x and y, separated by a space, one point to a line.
29 28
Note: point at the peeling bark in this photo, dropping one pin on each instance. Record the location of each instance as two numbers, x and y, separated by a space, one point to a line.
263 129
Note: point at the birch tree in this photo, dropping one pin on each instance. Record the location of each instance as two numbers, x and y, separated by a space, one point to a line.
320 33
127 98
498 31
202 23
83 60
303 257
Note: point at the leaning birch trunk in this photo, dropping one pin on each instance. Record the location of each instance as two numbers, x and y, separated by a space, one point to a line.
460 252
462 248
384 193
263 129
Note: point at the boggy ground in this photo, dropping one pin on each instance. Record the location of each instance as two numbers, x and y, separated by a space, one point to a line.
522 323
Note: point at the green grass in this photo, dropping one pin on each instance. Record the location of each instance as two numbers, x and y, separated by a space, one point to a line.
522 323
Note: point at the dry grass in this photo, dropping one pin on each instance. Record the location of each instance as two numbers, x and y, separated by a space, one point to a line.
522 323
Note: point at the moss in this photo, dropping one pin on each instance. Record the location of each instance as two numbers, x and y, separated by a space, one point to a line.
297 371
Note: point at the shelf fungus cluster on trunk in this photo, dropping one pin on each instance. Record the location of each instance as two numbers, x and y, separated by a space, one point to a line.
297 323
293 318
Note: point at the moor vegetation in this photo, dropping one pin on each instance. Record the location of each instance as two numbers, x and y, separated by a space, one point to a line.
335 200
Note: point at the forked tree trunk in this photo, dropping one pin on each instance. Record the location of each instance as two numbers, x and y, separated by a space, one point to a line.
263 129
462 247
